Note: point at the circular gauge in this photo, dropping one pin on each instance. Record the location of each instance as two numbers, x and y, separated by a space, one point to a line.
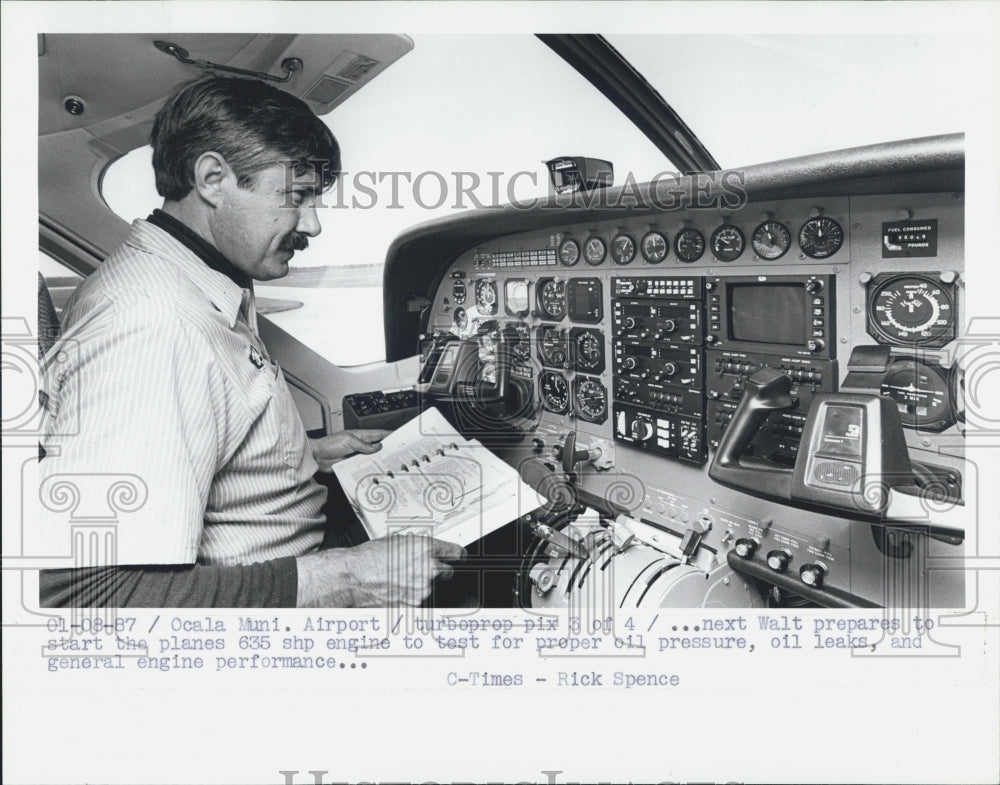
552 298
515 300
589 351
552 348
569 252
655 247
771 240
486 296
623 249
911 309
727 243
555 392
921 392
461 318
458 292
689 245
594 251
591 399
820 237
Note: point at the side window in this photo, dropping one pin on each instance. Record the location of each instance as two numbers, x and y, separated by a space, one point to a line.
318 302
60 280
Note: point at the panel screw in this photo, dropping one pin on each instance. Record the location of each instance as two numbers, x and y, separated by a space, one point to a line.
74 105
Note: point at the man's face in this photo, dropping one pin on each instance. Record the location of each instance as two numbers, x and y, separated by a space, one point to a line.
259 228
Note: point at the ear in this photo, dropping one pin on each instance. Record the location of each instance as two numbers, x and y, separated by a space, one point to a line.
210 174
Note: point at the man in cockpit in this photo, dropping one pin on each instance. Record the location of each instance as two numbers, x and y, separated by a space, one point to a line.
171 382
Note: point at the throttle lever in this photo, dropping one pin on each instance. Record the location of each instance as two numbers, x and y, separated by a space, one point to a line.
768 390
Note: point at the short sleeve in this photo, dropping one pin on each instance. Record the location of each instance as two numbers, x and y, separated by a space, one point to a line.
132 438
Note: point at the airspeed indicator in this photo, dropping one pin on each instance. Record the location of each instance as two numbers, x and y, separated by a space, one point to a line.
911 310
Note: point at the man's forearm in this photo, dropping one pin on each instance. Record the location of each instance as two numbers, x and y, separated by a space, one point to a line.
270 584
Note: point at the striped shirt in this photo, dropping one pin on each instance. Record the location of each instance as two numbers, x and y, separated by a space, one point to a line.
169 381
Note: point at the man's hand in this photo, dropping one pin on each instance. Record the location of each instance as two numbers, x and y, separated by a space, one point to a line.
396 570
327 450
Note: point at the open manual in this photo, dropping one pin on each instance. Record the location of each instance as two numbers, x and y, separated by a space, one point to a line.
428 475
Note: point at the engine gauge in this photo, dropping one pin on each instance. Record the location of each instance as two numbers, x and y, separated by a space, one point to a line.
588 349
552 347
551 298
727 243
555 391
458 292
921 392
911 310
461 318
655 247
820 237
515 301
771 240
486 296
594 251
591 399
569 252
623 249
689 244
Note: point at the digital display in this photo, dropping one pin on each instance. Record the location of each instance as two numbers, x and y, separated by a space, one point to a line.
842 431
585 297
773 313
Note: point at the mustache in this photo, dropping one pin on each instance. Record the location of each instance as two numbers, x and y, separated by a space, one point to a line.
294 241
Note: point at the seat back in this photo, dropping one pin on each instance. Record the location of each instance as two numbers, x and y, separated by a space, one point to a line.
48 320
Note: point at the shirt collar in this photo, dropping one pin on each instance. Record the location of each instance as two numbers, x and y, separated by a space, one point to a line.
224 293
207 252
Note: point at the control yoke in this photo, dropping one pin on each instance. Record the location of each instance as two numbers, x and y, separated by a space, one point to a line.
852 453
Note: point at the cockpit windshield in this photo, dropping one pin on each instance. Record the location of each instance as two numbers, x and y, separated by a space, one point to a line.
758 98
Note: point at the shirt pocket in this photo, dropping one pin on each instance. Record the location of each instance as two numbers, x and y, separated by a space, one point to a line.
293 439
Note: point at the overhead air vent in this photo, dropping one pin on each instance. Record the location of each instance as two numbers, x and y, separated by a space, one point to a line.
327 90
358 67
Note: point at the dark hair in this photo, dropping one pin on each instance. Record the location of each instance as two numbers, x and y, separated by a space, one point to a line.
250 123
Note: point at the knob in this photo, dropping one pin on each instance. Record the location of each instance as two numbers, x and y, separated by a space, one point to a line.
622 332
669 326
644 334
657 335
710 339
814 286
537 444
813 574
669 369
630 322
641 430
816 345
779 560
709 286
745 547
631 363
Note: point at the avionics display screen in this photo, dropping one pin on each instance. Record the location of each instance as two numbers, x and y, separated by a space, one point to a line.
767 313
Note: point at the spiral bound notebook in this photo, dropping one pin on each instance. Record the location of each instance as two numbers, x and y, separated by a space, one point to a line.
429 479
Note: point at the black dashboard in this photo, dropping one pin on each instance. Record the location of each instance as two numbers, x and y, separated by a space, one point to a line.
639 329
